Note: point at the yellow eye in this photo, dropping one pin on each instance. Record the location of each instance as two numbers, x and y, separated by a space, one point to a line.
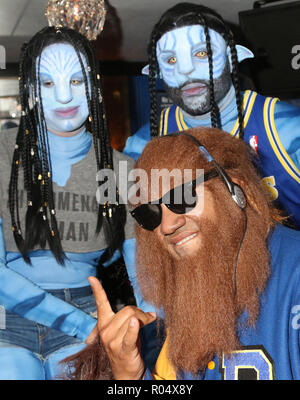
76 81
172 60
201 54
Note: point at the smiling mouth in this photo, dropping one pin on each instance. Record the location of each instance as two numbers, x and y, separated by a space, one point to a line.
193 89
66 112
186 239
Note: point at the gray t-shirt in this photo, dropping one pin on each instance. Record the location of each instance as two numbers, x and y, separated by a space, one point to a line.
76 204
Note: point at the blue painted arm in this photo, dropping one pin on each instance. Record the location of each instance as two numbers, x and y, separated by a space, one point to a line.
21 296
135 144
129 258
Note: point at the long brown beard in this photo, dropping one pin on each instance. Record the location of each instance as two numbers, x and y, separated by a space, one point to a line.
197 293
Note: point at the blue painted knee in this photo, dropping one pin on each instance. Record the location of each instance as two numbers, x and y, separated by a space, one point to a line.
17 363
53 368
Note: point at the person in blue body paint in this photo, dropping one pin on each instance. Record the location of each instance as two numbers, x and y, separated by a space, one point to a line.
193 51
53 231
223 268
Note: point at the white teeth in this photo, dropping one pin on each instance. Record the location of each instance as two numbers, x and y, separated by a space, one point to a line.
186 239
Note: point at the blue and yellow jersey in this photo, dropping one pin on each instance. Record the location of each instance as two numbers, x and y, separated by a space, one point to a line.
270 349
281 177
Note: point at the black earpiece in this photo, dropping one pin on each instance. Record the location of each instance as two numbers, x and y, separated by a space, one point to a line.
239 196
235 190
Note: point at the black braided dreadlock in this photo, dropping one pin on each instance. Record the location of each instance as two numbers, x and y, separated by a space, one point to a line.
32 150
184 14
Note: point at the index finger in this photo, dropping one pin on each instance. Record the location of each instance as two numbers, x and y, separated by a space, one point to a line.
104 310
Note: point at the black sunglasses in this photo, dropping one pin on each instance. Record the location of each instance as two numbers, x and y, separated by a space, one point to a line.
179 200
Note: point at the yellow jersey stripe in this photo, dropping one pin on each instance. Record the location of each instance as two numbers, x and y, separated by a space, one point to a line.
164 370
184 125
248 102
166 121
275 142
177 117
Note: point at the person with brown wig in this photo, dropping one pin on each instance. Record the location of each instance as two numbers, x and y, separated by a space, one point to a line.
220 264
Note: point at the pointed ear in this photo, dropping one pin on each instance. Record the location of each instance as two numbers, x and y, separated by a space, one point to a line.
242 54
145 71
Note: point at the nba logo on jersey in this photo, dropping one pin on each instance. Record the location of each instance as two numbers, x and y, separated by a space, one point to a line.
253 142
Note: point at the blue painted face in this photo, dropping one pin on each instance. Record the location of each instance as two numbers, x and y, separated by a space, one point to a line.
63 89
183 62
182 55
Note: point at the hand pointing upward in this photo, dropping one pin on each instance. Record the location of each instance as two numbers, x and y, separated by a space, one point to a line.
119 333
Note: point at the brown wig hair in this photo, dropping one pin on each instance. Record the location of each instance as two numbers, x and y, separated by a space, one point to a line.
161 283
197 293
91 363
